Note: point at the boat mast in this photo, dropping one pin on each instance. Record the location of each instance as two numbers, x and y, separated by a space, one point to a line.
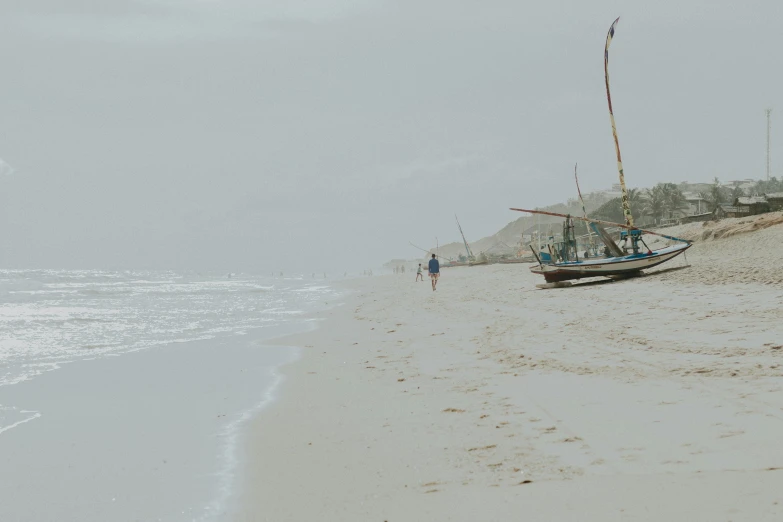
626 204
538 231
467 247
584 211
768 112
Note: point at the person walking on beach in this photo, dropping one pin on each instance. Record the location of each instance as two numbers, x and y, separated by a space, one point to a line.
434 269
419 274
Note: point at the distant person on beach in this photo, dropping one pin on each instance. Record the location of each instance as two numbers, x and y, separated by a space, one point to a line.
419 274
434 269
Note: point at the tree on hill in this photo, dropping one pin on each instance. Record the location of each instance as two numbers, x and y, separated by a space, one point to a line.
663 200
656 203
674 199
636 198
736 192
715 196
612 210
768 186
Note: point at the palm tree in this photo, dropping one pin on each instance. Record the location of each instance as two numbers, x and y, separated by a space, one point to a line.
737 192
765 187
673 197
612 210
656 203
636 198
714 197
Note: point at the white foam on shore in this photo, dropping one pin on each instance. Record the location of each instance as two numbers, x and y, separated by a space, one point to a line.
35 415
56 316
230 436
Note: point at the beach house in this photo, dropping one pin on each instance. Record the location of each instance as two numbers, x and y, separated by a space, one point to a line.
753 204
775 201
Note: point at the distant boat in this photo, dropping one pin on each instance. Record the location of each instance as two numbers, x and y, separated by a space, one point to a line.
471 259
564 263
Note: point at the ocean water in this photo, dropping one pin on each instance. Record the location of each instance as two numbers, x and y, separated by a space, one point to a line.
92 360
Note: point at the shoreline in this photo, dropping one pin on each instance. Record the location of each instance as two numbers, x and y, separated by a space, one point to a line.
489 400
113 432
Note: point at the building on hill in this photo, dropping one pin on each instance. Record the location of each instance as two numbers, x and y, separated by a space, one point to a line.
775 201
753 204
687 187
695 218
696 203
730 211
744 184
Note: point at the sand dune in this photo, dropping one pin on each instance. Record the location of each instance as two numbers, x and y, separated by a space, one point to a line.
740 250
656 398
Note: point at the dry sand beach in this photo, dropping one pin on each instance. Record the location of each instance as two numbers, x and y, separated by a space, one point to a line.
657 398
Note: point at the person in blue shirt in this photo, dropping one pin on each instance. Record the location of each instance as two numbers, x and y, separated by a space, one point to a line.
434 269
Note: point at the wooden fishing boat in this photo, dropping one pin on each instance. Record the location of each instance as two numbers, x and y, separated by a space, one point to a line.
613 266
564 263
478 261
619 263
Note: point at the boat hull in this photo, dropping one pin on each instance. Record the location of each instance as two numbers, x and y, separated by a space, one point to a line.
615 266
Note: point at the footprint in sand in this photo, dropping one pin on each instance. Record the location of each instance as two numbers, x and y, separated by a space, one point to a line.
431 486
491 446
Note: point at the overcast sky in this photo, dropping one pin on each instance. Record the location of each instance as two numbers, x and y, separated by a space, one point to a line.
326 134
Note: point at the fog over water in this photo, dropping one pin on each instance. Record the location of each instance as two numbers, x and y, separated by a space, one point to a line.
325 135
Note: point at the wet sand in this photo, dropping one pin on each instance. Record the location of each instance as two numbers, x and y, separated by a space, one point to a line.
146 436
657 398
